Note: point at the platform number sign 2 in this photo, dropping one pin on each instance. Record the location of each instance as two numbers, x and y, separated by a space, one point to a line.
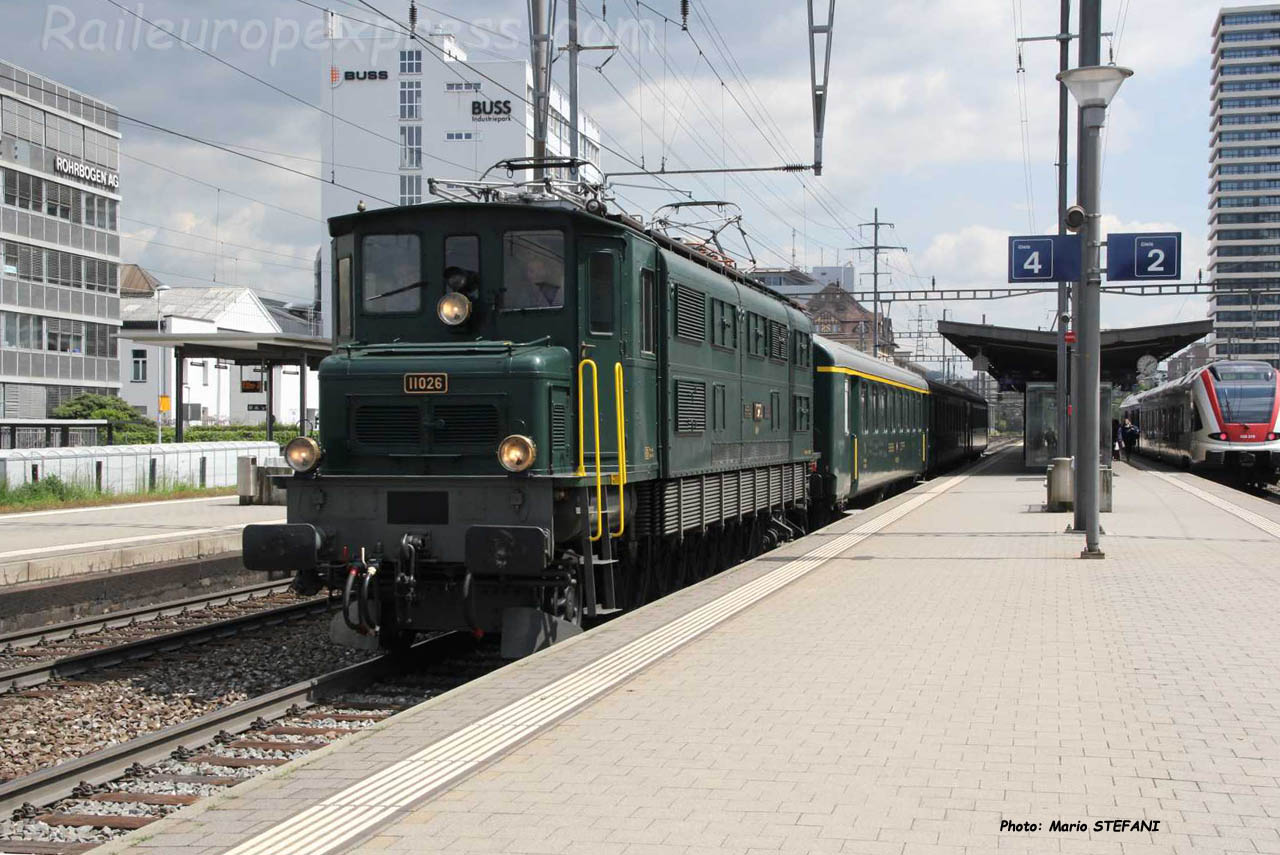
1144 256
1044 258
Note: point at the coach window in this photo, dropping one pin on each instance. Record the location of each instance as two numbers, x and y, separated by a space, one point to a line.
391 274
532 270
600 280
462 265
344 298
864 417
648 313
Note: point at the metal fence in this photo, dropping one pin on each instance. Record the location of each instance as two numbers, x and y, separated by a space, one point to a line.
133 468
53 433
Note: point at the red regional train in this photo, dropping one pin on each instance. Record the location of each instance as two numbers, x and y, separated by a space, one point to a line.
1221 418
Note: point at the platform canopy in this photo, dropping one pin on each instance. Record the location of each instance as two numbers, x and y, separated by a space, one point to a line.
1015 357
242 348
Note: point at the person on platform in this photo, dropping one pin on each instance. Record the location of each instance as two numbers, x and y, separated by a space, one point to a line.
1117 439
1129 437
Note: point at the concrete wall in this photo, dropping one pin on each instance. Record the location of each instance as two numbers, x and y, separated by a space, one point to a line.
127 468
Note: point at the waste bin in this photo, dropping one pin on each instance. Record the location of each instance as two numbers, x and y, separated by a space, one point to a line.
1060 484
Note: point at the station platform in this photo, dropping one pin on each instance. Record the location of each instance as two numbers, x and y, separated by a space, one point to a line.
44 545
940 673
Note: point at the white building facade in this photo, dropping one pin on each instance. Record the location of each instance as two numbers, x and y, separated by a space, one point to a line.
59 245
406 112
213 392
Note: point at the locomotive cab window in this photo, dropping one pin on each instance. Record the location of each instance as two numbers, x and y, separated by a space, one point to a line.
391 274
344 298
600 274
648 312
532 270
462 265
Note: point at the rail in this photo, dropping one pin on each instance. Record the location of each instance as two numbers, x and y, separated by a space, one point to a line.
78 627
582 446
57 782
65 666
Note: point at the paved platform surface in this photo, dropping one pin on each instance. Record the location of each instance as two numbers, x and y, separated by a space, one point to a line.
907 681
53 544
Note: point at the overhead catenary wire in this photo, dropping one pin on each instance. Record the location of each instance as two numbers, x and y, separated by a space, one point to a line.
286 93
695 136
150 242
1024 121
208 239
204 183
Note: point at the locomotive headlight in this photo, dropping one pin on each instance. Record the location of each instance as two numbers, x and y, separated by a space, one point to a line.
302 454
516 453
453 308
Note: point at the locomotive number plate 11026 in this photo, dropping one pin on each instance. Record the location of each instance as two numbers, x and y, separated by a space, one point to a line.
426 384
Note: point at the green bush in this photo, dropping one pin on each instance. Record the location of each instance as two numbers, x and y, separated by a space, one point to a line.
47 490
140 435
114 409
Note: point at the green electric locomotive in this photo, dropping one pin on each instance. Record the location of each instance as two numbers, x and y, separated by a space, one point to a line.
535 412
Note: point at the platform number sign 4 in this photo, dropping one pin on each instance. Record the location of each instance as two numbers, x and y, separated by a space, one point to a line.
1144 256
1044 258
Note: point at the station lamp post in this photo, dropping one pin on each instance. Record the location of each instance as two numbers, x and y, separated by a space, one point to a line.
1093 87
160 372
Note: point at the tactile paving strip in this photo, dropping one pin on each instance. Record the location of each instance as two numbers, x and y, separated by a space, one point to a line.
346 815
1271 527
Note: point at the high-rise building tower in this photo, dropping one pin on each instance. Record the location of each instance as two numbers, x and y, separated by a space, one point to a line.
1244 182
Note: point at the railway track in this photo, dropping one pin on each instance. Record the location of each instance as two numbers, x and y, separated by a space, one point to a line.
76 805
31 657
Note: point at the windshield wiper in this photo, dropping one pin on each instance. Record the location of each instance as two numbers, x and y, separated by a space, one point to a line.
394 291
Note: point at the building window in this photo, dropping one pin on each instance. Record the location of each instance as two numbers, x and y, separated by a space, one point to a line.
410 189
411 147
26 123
64 336
23 191
460 136
410 62
139 366
411 99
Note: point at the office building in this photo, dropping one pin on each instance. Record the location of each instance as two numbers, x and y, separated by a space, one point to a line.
407 111
1244 175
59 244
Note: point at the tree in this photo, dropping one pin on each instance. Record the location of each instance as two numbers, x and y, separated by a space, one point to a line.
115 410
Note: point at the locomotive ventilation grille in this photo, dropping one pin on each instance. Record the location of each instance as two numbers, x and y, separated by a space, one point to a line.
387 425
691 406
691 313
559 426
464 424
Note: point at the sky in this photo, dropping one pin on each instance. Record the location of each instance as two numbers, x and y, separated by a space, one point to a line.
925 123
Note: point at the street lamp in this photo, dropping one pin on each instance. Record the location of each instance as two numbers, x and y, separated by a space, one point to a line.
159 365
1093 87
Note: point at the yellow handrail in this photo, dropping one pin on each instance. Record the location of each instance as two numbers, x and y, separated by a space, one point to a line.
621 405
582 448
